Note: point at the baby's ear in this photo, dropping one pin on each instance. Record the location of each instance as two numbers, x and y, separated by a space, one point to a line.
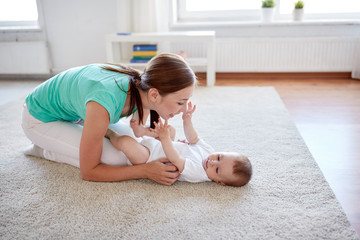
221 183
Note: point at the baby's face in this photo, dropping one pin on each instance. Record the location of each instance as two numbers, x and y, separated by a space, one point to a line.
219 166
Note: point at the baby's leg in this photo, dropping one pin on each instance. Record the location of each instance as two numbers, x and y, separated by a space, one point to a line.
134 151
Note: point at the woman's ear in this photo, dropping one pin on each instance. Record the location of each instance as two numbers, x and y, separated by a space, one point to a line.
153 95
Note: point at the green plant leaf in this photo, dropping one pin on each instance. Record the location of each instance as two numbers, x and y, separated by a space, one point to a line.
268 4
299 5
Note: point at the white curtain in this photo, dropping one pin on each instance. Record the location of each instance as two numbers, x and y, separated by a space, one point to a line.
142 15
356 65
123 16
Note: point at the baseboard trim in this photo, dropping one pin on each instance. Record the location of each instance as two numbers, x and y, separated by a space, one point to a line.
278 75
14 77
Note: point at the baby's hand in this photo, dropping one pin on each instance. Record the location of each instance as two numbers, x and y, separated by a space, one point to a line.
189 111
162 129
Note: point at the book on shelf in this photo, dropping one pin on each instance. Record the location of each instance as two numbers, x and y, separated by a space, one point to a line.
145 47
144 53
139 60
143 57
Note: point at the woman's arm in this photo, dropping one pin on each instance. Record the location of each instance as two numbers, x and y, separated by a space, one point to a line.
95 127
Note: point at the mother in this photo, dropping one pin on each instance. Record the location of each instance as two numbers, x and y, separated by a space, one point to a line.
101 95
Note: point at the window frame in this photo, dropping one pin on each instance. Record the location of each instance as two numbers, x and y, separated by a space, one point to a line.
24 25
183 16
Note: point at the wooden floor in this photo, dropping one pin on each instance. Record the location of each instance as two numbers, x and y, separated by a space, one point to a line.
326 111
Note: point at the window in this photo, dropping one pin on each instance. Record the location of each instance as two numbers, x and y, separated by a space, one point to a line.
18 13
323 6
199 10
205 5
245 10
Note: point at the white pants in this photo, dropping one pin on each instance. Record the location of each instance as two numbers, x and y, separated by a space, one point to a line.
61 140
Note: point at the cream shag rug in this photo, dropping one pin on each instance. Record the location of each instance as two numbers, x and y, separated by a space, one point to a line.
287 198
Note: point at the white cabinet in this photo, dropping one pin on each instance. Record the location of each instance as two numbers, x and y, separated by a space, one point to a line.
115 52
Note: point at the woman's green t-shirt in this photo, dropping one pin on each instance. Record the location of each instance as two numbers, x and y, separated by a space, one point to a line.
64 96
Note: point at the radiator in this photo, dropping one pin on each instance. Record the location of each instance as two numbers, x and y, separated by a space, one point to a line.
325 54
24 58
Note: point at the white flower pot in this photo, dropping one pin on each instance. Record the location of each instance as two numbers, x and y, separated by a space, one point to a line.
267 14
298 14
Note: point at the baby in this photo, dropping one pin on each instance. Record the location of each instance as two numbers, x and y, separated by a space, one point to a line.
195 160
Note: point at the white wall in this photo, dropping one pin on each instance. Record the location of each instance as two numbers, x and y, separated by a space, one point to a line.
75 30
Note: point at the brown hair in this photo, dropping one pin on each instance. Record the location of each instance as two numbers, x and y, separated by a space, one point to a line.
166 72
242 168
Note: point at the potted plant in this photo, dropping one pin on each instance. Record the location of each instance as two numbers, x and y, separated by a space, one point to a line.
298 12
267 10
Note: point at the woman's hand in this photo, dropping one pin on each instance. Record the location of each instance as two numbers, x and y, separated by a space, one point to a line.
162 173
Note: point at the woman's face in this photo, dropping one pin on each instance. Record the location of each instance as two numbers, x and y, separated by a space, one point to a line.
173 103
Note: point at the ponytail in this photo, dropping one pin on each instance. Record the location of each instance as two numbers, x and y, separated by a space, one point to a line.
135 84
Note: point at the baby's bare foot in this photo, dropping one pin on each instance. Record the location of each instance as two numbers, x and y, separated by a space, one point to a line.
137 128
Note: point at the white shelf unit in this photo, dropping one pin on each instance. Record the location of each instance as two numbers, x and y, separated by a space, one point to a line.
115 52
